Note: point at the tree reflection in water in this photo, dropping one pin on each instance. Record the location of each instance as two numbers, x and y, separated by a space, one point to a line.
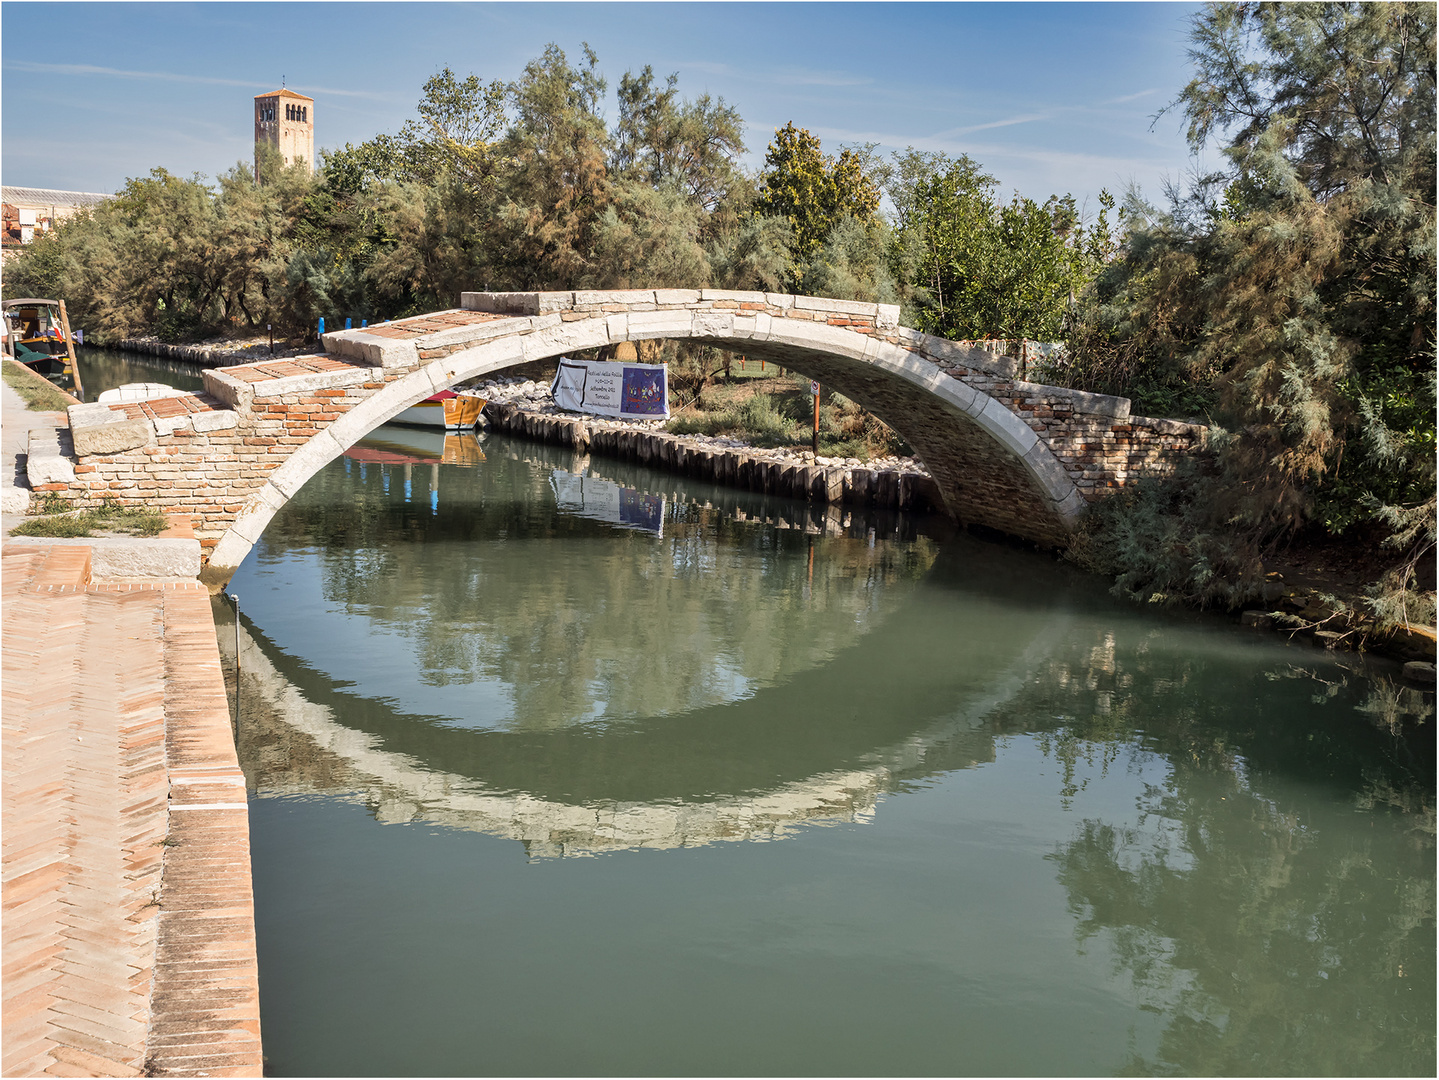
1251 898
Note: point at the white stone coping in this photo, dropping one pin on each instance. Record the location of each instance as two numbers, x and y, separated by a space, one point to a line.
99 429
1080 400
130 558
538 303
239 394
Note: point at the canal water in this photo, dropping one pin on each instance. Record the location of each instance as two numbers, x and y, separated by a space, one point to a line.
559 767
105 369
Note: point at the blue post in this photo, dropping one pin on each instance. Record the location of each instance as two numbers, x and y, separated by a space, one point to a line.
364 323
322 326
347 324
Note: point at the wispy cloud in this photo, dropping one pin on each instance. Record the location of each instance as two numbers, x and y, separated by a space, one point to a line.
1130 97
94 69
793 76
169 76
1026 118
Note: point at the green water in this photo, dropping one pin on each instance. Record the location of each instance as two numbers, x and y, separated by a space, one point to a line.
623 775
105 369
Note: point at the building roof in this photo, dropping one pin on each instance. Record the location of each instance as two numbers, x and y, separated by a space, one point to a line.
43 198
284 92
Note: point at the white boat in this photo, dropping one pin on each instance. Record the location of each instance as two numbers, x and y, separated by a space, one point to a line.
140 391
447 410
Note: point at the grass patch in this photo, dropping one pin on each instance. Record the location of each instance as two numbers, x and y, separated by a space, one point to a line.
109 520
40 395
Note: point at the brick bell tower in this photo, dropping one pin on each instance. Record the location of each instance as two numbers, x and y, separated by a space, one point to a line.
286 121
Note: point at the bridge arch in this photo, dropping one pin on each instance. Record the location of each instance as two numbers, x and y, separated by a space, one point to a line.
1020 457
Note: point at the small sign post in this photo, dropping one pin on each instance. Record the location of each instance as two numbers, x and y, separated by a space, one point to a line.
814 392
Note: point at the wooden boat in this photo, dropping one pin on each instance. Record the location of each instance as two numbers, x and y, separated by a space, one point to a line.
37 333
447 410
391 447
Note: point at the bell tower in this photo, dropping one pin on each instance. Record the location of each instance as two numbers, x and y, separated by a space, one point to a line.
286 121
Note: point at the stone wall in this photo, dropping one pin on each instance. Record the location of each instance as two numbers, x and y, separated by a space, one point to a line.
200 455
887 489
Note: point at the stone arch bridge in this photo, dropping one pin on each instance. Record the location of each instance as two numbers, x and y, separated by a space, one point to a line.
1016 456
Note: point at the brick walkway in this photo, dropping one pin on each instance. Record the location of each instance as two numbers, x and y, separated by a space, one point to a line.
129 942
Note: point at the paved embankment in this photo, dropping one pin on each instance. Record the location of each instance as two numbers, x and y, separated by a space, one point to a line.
129 941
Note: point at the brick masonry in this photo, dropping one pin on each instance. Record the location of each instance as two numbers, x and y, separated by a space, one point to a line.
129 944
1006 453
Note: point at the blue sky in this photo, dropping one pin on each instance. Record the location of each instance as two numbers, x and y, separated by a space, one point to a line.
1050 98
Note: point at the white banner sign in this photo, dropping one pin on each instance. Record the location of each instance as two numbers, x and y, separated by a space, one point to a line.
612 389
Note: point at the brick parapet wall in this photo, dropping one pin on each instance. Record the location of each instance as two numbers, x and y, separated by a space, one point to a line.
207 475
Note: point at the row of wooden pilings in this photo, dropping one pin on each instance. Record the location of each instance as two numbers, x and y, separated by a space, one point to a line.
887 489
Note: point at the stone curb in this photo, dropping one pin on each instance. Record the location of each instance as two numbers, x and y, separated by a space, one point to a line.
120 558
46 461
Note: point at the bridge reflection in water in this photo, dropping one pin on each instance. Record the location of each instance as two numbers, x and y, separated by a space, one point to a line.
294 740
737 710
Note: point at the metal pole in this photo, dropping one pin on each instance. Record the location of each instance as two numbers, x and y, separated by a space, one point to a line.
816 420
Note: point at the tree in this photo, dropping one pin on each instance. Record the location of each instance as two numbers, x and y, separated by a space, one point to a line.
649 237
812 192
660 139
555 185
979 268
1299 283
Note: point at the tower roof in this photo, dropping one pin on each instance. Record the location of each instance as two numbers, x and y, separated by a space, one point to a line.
284 92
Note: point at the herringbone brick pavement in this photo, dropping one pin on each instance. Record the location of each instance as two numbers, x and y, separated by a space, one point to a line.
104 973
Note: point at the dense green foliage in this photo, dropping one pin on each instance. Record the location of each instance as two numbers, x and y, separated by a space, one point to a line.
1292 295
981 268
522 185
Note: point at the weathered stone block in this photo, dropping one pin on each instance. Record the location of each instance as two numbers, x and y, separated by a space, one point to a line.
628 297
566 337
677 296
502 303
112 559
45 460
645 325
114 436
848 307
712 324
